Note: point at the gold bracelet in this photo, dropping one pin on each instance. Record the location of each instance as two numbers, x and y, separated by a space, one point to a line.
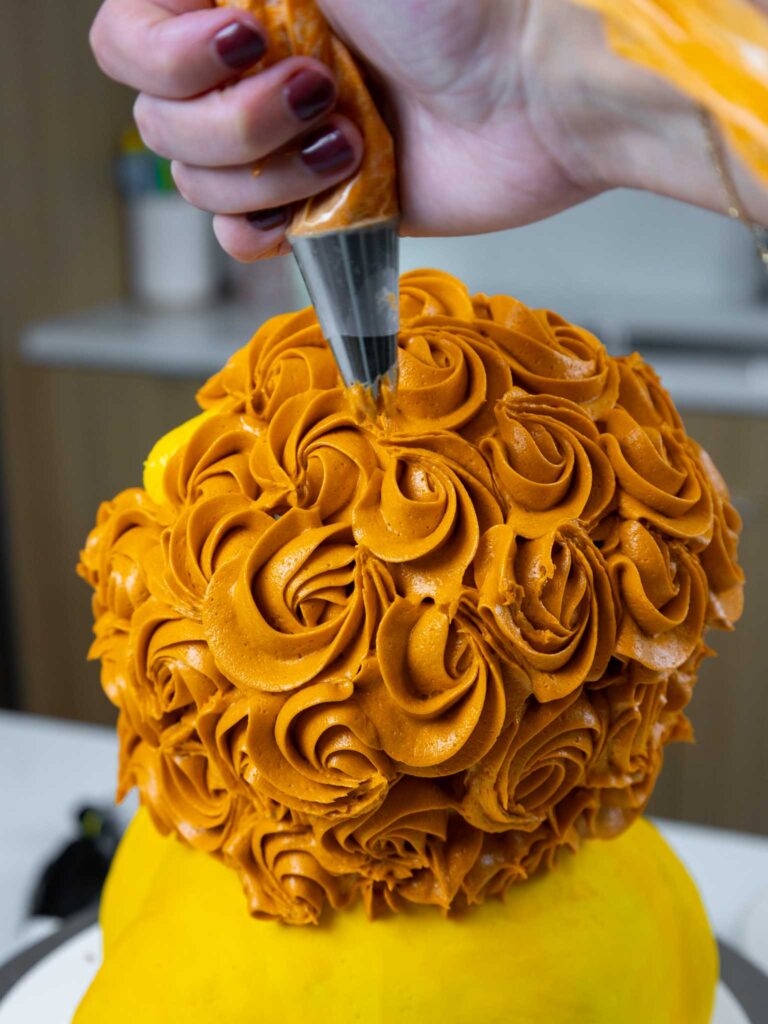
735 207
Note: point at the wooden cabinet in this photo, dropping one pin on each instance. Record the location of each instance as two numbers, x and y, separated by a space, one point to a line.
721 780
87 441
60 250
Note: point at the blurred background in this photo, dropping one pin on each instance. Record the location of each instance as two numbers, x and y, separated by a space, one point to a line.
115 305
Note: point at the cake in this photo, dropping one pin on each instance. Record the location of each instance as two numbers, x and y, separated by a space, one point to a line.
386 686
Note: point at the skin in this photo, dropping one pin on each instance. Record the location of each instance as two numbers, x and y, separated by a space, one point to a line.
505 112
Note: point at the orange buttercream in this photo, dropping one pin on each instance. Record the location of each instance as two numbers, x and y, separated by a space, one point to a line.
297 28
411 659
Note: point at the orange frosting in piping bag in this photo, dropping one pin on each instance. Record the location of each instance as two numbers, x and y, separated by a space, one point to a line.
411 659
716 51
296 27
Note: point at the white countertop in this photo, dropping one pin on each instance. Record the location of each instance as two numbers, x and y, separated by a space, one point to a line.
49 768
122 338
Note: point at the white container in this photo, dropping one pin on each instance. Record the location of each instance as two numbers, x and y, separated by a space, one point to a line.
172 252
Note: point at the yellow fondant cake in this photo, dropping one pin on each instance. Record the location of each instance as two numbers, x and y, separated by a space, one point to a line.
616 935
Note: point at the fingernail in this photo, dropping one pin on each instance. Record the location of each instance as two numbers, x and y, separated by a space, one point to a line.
239 46
309 93
326 150
268 220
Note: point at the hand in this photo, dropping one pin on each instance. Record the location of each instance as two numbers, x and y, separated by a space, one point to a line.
511 110
506 111
471 160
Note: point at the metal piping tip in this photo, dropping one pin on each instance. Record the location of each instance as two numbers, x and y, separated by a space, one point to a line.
353 281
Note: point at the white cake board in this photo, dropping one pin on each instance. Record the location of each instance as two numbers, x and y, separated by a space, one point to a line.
754 932
50 992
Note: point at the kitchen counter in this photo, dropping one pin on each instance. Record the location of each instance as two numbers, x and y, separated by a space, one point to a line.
126 339
712 358
48 770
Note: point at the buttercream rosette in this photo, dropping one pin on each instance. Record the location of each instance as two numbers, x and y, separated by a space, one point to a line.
411 659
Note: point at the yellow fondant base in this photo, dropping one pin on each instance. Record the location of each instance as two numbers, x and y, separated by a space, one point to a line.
162 453
614 935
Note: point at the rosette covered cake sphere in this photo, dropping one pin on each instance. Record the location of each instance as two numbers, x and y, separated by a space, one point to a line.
411 660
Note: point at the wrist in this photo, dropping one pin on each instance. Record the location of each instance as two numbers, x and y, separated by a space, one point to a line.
612 123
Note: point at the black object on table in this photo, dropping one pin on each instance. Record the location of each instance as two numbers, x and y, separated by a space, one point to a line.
74 879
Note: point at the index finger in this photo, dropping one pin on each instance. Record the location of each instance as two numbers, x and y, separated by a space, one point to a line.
175 48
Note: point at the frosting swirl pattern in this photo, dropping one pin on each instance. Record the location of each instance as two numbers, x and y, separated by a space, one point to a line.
214 461
449 378
539 761
313 456
281 873
662 482
316 752
434 690
547 463
286 357
420 657
425 512
550 602
549 356
304 603
664 597
183 789
205 535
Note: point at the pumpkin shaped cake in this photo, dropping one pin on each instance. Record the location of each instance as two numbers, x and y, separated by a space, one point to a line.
401 677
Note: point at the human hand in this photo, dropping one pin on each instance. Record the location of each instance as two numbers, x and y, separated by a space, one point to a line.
511 110
506 111
470 159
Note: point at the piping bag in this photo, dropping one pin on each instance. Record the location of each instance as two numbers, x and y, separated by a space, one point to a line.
345 240
716 51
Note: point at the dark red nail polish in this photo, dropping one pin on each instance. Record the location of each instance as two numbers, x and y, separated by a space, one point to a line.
309 94
326 151
239 46
268 220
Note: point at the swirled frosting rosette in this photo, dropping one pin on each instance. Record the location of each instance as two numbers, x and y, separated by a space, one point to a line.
416 658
